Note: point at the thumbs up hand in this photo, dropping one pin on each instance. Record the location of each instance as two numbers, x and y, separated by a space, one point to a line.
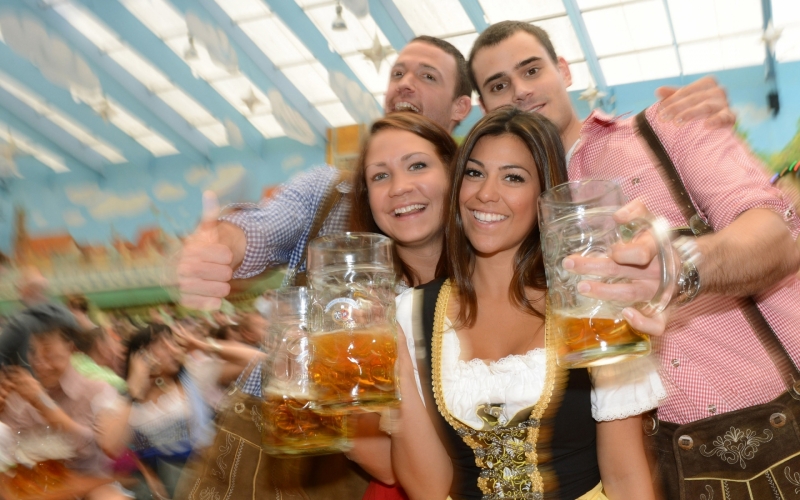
206 263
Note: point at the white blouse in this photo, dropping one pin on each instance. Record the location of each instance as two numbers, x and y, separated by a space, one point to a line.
164 420
619 390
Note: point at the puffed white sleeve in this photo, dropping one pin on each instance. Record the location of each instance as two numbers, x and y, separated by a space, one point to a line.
405 319
625 389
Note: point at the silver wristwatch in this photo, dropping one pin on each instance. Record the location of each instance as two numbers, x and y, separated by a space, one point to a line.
688 285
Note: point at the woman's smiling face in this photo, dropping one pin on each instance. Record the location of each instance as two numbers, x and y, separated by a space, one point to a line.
407 183
499 194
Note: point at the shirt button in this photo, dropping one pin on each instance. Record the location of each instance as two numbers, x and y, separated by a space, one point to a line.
789 213
635 180
676 363
712 409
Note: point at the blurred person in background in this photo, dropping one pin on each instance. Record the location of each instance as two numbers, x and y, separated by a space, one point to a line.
171 413
56 403
227 332
252 328
98 357
40 314
79 307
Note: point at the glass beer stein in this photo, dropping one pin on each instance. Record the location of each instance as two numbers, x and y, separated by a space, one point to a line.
291 427
354 347
577 218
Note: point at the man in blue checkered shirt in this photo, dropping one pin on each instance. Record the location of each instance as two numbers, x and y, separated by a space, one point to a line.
429 77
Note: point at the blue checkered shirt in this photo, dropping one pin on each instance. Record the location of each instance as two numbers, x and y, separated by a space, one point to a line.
277 230
252 385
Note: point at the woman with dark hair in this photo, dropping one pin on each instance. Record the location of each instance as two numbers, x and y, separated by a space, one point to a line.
486 412
58 414
170 415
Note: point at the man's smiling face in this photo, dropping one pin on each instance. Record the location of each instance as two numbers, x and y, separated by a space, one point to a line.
423 80
518 71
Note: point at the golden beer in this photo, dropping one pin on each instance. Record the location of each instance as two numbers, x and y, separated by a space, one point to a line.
292 428
595 341
30 483
577 219
354 369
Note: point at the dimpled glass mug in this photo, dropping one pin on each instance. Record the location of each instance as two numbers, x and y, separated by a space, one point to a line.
353 344
291 427
576 218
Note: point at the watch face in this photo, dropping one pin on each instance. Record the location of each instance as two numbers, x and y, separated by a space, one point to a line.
688 283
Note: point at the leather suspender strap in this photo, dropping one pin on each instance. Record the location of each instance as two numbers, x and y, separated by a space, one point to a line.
671 177
777 352
332 197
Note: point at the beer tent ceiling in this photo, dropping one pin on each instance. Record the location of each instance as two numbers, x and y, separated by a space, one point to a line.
94 84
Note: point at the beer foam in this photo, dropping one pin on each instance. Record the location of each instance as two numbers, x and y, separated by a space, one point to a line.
591 310
38 447
285 390
7 446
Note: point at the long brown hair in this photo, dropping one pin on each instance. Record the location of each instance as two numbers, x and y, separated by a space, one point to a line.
361 218
542 140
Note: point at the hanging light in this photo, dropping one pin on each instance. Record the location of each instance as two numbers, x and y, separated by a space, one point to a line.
190 53
338 23
104 110
251 100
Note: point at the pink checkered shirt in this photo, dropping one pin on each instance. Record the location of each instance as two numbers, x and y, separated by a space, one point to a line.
711 360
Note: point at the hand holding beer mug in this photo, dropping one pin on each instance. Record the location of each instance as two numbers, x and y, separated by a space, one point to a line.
354 348
578 218
291 426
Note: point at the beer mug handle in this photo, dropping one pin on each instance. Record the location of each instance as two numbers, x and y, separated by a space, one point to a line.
661 234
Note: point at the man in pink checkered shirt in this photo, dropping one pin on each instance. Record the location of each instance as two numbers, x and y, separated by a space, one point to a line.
712 362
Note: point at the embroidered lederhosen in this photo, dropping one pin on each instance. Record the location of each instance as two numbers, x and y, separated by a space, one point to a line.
552 454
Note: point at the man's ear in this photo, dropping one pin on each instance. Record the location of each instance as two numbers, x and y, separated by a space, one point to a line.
563 68
461 108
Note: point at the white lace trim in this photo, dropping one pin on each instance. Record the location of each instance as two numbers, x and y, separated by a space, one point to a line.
503 362
625 389
610 414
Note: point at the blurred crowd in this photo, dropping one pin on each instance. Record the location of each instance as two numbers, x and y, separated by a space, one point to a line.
111 405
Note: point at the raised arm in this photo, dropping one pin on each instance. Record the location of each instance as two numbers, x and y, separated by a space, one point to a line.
372 448
420 461
755 243
242 244
32 391
753 253
756 226
701 99
621 456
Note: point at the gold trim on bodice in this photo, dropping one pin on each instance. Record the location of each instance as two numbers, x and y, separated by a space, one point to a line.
507 455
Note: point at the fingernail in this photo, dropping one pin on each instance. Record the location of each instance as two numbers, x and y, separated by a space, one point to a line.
627 313
666 117
568 264
679 121
583 287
